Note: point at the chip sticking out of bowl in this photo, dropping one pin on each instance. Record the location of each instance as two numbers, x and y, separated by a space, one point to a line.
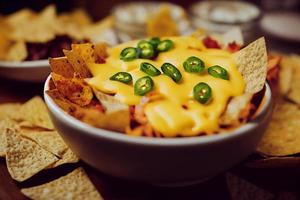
74 89
252 64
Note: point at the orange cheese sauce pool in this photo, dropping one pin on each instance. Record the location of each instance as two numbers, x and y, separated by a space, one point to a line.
167 114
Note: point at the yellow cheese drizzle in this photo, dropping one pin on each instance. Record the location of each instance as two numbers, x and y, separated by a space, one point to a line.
168 115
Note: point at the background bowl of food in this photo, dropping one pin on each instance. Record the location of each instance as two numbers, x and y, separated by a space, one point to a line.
164 161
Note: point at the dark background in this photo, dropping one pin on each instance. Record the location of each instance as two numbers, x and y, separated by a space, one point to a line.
100 8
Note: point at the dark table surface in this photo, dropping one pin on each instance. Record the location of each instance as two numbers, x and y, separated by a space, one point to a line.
284 183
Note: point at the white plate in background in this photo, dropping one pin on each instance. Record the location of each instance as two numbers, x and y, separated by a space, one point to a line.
285 25
30 71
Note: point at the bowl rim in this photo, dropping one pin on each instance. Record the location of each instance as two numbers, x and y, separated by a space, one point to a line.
65 118
24 64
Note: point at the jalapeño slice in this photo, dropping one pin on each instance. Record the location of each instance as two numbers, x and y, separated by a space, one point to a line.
154 41
165 45
123 77
218 72
129 53
171 71
202 92
149 69
193 65
143 85
146 49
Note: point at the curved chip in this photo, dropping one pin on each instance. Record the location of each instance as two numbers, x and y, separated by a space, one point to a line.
282 137
252 64
74 89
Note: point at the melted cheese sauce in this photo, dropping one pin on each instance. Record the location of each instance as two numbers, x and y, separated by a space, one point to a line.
176 113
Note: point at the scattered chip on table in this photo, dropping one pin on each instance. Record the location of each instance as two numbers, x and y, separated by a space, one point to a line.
25 158
294 93
8 110
34 113
67 157
282 137
49 140
4 124
75 185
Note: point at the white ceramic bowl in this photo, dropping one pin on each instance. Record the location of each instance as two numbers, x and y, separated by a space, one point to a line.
167 161
30 71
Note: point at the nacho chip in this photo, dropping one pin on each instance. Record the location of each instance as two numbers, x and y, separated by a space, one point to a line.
74 89
294 93
4 124
110 103
238 108
285 75
78 63
116 120
61 66
49 140
67 157
75 185
100 50
85 51
17 51
162 24
240 189
25 158
35 113
252 64
282 137
275 162
8 110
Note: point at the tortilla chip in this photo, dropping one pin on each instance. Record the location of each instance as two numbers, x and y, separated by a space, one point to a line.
78 16
67 157
162 24
4 124
282 137
294 93
35 113
61 66
74 89
237 109
25 158
78 63
49 140
285 75
115 121
85 51
100 50
252 64
110 103
75 185
17 52
8 110
275 162
240 189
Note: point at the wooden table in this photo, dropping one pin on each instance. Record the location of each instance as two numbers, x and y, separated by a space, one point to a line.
284 183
